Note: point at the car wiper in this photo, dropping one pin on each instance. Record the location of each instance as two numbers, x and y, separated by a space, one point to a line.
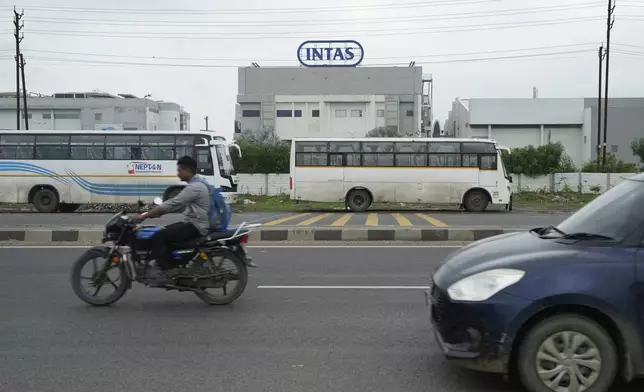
587 236
580 236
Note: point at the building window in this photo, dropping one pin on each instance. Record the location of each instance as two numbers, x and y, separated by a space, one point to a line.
284 113
380 112
613 148
356 113
98 116
315 113
67 116
46 116
250 113
410 113
297 113
340 113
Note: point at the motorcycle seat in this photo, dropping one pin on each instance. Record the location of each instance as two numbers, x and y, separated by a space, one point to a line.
212 236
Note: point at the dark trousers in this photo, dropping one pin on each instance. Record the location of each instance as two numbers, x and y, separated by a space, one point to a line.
173 233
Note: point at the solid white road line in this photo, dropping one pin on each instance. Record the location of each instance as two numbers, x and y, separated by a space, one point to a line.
249 247
349 287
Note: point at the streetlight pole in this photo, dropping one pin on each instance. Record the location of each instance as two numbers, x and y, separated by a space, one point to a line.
610 20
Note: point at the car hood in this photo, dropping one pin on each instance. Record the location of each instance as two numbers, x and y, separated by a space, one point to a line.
521 250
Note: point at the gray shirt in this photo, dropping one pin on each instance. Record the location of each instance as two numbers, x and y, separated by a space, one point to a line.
195 198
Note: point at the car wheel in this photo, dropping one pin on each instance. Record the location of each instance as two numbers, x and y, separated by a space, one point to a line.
567 353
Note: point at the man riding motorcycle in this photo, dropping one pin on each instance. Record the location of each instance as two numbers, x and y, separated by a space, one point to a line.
194 200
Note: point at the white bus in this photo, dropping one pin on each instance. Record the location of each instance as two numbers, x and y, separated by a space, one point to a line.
360 171
59 171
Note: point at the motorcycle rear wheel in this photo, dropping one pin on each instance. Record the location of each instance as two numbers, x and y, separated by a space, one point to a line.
100 253
239 289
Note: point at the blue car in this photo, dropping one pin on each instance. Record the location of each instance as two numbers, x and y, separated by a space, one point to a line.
559 308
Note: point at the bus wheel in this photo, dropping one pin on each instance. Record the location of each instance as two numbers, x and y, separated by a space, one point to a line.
476 201
45 200
359 200
172 192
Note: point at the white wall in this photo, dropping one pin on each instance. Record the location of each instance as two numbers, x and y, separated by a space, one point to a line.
514 111
278 184
167 120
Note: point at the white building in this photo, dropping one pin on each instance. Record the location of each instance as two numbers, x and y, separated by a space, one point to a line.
519 122
333 101
92 110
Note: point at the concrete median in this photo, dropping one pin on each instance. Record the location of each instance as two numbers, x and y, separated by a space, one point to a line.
277 234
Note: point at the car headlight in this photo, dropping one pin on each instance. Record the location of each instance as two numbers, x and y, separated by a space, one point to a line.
482 286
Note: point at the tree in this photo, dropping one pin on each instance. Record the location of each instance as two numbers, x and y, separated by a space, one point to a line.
613 165
538 161
638 148
262 158
266 135
384 132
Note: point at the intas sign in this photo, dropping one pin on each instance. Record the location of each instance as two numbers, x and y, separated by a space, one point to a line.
336 53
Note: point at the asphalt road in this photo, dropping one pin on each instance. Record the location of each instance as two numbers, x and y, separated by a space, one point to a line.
315 340
513 219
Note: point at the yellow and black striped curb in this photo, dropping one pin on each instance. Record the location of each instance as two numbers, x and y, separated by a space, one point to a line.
285 234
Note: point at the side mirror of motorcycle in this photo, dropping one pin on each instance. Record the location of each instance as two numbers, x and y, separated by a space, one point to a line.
158 201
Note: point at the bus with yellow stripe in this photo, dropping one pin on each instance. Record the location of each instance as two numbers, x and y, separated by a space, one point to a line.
362 171
59 171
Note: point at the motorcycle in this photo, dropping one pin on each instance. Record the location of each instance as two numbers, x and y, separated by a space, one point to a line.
129 254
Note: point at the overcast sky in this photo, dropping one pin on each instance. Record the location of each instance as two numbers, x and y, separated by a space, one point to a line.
187 51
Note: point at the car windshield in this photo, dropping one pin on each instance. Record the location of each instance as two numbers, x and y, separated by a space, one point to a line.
615 214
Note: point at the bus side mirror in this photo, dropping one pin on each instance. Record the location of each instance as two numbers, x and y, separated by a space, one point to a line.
237 148
510 179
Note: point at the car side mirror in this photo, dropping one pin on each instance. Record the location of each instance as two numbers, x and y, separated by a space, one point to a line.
158 201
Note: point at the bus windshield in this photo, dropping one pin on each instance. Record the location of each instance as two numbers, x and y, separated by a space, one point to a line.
225 161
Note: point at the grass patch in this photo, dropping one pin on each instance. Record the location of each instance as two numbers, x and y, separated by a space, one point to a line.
559 199
249 203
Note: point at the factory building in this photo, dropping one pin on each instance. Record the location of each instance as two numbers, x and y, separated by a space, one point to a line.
92 110
334 101
519 122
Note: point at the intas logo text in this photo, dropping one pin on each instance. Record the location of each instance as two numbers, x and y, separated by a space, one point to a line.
330 53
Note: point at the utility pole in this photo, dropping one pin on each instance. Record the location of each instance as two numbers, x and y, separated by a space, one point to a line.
610 20
599 106
24 91
17 27
206 118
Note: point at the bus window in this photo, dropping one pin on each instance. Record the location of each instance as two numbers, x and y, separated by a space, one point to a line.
157 147
122 147
52 147
84 147
16 147
204 161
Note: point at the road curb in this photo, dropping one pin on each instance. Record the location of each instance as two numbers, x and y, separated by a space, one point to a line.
283 234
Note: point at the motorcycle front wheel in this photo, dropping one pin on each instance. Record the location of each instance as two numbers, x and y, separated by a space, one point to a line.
102 276
224 262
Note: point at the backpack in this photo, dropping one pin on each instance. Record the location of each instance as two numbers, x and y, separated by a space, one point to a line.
219 212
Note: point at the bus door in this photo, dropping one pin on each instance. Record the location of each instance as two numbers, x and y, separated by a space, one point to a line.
335 174
205 163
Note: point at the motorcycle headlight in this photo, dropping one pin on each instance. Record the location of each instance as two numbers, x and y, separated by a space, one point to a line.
484 285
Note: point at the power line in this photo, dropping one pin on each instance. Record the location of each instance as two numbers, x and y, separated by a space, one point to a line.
370 20
257 36
403 58
334 8
189 65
